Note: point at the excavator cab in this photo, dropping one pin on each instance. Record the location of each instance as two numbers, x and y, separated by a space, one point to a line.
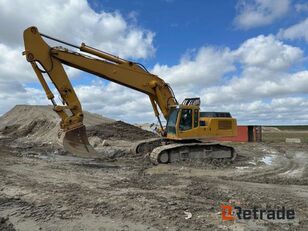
187 122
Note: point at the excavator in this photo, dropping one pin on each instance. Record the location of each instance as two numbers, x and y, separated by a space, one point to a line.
188 131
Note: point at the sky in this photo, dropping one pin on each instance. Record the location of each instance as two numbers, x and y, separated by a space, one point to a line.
247 57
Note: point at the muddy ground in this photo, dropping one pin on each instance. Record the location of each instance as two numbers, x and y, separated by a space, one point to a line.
44 190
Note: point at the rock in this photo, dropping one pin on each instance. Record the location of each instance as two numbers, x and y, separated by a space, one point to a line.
105 143
188 215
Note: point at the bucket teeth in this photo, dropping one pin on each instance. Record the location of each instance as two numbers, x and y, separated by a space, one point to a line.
76 142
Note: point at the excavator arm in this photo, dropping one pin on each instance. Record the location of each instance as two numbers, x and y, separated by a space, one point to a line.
49 60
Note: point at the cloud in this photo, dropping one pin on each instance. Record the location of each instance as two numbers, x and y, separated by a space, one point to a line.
195 71
13 65
283 110
297 31
245 89
73 21
115 101
256 13
266 52
263 72
12 93
301 7
76 22
254 82
257 60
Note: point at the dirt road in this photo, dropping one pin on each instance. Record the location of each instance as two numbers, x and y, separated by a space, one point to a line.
55 192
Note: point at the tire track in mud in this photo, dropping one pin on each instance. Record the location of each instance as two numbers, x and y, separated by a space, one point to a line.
289 169
290 165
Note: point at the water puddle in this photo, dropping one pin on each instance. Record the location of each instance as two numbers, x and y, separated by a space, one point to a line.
268 160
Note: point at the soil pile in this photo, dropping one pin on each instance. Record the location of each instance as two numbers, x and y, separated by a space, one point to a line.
40 125
119 131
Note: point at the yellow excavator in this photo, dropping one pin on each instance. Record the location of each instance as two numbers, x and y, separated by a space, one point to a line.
186 125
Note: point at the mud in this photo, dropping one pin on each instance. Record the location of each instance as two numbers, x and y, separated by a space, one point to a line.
6 225
59 192
44 188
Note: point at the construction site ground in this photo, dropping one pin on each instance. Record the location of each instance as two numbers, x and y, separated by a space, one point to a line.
44 188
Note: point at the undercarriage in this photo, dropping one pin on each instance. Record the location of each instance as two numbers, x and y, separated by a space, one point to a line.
164 151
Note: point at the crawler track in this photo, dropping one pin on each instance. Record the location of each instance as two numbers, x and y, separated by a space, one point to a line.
163 151
201 152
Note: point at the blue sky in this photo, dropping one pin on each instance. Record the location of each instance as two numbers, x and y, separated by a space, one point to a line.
248 57
181 25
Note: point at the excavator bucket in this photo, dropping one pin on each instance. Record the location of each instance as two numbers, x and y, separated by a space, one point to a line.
76 142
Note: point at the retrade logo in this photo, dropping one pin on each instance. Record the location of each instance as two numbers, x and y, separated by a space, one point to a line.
226 213
230 213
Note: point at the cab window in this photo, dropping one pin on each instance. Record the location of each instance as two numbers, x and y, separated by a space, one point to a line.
186 119
172 121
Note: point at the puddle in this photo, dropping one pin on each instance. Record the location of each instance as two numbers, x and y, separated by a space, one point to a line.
268 160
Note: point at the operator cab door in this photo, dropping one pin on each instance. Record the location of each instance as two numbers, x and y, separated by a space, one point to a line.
172 121
188 122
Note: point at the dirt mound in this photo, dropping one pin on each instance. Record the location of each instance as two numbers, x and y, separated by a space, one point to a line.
119 131
23 114
39 124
